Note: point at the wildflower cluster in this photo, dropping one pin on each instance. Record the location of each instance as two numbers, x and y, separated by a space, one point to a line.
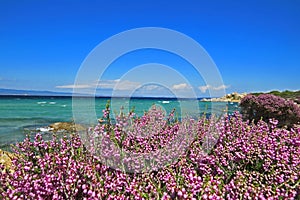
249 161
268 106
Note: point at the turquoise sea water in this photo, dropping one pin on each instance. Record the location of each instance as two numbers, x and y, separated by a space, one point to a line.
20 114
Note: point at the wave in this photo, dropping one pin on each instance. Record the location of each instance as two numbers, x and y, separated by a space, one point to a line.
44 129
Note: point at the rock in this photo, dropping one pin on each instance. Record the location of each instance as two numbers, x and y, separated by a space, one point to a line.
233 97
6 158
66 126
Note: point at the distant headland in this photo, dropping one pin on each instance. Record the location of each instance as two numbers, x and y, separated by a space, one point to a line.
236 97
233 97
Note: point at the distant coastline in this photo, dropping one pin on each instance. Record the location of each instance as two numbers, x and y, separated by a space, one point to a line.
13 92
237 97
231 97
98 97
38 94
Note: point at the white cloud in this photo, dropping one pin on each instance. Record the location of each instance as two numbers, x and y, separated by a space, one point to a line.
126 85
181 86
221 87
204 88
73 86
105 84
152 87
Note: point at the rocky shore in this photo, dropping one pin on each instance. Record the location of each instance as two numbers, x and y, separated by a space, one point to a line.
69 127
6 158
66 126
233 97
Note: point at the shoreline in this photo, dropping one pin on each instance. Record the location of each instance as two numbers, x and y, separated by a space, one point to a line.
232 98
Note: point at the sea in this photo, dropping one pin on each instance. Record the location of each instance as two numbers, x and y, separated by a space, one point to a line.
20 115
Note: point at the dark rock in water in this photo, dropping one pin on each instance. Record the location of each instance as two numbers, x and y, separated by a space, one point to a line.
66 126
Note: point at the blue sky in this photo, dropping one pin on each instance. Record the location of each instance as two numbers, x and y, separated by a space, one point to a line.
255 44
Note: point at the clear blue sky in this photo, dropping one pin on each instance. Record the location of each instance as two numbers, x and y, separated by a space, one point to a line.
255 44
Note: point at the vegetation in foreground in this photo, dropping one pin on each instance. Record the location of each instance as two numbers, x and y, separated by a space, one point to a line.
248 161
287 94
268 106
